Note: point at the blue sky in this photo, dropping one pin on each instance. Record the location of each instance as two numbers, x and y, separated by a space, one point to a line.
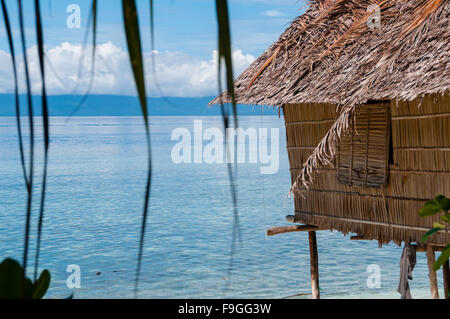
186 33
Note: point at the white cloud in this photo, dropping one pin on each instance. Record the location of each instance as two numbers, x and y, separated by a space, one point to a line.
272 13
178 74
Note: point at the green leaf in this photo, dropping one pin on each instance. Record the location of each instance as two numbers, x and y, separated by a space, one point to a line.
11 278
41 285
225 51
13 286
28 294
446 218
431 208
439 225
443 201
430 233
152 24
132 33
445 255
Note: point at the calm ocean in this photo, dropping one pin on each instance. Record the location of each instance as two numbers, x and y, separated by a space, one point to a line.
97 173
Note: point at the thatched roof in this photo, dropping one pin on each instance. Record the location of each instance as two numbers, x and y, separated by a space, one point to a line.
330 55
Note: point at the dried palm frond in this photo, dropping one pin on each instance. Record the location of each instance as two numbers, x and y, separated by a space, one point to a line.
266 64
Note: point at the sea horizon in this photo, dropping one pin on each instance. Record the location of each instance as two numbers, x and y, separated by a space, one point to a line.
119 105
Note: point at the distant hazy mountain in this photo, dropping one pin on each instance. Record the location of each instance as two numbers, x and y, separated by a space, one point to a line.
111 105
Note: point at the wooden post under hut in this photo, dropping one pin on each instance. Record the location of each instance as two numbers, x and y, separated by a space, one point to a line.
432 273
314 258
446 275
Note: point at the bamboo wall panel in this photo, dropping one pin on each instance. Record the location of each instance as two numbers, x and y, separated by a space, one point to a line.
309 112
306 134
421 132
420 169
422 160
430 105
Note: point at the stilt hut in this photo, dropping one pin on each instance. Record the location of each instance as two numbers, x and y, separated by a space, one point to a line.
364 90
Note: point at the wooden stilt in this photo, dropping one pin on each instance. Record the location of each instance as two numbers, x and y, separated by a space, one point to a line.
431 273
446 275
314 258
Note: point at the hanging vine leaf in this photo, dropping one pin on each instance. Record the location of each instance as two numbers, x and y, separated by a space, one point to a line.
443 201
445 255
225 55
131 24
431 208
430 233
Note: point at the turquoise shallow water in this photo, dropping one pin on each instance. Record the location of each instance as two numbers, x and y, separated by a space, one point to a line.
96 182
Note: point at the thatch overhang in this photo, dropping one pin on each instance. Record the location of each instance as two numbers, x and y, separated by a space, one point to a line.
330 55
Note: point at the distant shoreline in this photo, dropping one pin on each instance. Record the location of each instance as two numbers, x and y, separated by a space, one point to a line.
114 105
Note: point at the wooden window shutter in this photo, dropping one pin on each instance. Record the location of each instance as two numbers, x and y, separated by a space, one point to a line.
363 151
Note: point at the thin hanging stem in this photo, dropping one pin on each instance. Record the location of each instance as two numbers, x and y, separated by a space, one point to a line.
225 55
46 131
31 126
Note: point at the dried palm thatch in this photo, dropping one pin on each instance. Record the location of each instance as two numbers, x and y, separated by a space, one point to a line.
329 55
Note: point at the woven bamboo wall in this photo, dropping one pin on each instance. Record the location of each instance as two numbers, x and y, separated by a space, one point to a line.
419 170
